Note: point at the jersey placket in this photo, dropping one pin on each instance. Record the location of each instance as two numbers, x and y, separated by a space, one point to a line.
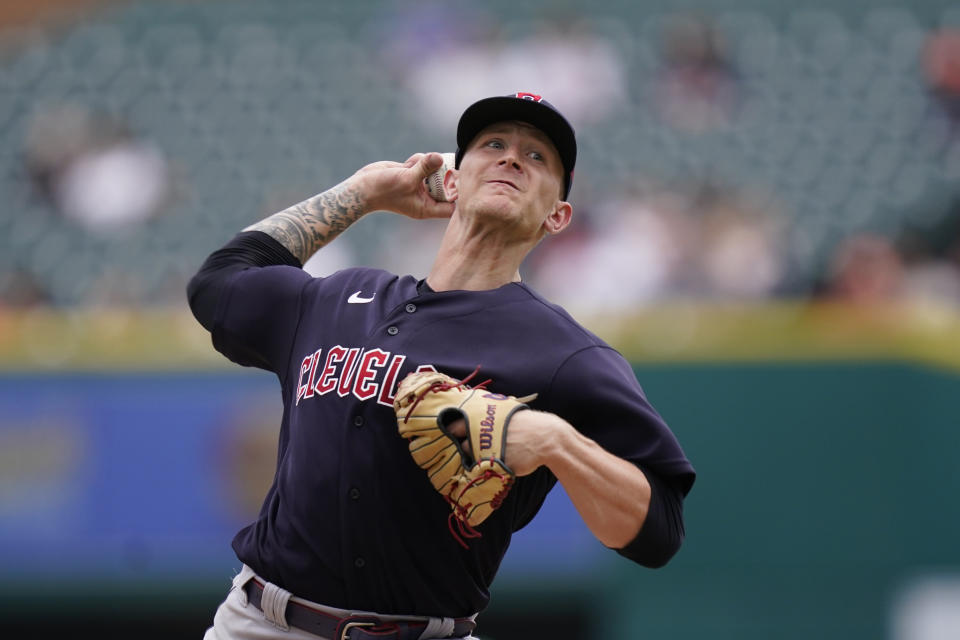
367 423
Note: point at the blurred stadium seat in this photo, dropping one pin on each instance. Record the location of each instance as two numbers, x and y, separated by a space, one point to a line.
250 102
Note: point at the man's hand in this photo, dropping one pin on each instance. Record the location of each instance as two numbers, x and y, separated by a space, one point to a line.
529 438
399 187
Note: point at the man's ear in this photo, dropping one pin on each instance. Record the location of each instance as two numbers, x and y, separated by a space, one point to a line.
450 184
559 218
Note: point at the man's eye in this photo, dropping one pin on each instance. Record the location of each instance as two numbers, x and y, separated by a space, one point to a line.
536 155
496 144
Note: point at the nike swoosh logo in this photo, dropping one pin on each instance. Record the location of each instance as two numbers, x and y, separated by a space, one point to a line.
357 299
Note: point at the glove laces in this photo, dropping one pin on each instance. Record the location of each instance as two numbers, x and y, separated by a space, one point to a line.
445 386
460 512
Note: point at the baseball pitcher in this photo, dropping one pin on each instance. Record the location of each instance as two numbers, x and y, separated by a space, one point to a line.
426 419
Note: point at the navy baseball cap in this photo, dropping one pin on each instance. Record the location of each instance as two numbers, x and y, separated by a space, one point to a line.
523 107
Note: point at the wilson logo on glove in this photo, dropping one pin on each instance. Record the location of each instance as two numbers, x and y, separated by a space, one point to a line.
487 427
426 404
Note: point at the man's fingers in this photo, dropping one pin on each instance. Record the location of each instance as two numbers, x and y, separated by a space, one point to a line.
400 187
429 162
458 429
467 449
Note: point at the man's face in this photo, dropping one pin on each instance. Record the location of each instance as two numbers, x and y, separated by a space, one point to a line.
511 169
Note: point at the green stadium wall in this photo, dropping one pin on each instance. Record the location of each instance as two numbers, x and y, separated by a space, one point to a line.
827 483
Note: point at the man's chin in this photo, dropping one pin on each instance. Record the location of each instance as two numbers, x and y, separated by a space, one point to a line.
497 205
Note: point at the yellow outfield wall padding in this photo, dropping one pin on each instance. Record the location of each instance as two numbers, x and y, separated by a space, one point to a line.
170 339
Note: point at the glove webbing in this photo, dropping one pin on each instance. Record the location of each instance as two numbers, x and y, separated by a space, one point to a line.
445 386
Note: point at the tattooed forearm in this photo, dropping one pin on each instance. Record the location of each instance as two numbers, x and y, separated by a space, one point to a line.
306 227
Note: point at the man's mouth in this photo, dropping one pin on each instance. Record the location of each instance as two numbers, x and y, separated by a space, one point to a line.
506 182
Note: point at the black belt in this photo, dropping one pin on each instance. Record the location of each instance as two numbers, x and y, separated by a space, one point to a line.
357 627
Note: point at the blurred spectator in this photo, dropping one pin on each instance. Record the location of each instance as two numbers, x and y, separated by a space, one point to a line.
16 13
941 64
628 252
933 280
408 33
696 87
922 265
21 289
661 243
866 268
92 169
561 58
740 246
116 286
931 259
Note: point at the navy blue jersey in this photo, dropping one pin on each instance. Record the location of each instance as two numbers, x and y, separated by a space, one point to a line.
350 520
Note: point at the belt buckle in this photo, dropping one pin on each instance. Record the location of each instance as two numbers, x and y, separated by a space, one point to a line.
345 633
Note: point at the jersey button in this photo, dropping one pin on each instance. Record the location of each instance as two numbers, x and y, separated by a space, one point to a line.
354 493
393 331
411 307
359 563
358 421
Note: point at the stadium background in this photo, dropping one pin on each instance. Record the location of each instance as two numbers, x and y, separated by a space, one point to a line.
767 226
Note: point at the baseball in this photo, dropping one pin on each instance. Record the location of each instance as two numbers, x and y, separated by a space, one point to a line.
435 180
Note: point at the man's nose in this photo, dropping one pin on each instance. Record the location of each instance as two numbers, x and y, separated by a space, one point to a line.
509 157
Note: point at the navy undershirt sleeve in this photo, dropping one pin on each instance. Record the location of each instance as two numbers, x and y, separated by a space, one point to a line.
247 249
662 533
247 295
